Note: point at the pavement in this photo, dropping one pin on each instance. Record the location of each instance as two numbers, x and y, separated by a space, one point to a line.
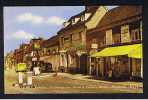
70 83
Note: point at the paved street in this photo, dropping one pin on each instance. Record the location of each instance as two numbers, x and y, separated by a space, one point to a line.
69 83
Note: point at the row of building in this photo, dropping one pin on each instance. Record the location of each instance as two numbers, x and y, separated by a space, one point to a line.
97 41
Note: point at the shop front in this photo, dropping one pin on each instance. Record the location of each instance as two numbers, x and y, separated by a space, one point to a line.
118 62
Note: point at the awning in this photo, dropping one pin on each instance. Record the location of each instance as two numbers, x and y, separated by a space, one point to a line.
134 51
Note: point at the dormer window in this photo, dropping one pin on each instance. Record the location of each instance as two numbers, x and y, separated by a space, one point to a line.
73 21
82 18
77 19
87 15
65 24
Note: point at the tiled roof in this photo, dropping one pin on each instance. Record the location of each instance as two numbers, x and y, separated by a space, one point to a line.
92 10
120 13
117 15
51 41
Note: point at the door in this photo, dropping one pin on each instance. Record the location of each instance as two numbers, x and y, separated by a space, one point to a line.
83 64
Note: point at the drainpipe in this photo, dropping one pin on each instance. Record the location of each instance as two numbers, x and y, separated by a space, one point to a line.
141 67
130 68
90 65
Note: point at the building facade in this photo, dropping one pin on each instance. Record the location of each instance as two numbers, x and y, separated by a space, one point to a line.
9 61
119 30
72 38
50 53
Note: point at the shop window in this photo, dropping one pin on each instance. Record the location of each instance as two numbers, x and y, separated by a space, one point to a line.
136 67
49 51
92 60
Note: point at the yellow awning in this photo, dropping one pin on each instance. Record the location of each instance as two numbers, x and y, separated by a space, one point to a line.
136 52
121 50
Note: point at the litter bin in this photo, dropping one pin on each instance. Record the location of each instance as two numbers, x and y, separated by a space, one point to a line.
21 68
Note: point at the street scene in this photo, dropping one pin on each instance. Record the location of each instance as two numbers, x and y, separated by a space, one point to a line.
70 83
80 49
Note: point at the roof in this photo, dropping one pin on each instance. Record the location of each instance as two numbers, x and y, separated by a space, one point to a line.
54 40
92 10
120 13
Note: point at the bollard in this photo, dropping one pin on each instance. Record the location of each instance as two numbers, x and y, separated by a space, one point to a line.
36 70
29 78
20 77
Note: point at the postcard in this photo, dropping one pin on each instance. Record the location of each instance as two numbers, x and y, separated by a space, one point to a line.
73 49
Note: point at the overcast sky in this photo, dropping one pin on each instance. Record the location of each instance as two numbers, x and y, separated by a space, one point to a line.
23 23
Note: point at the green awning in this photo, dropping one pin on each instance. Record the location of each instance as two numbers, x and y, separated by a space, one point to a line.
134 51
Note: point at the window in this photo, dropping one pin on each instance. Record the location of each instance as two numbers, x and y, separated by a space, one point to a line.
125 37
101 44
66 24
92 60
136 67
109 37
94 40
80 35
116 38
76 36
73 21
82 18
135 35
141 29
116 34
66 39
87 15
49 51
62 40
71 38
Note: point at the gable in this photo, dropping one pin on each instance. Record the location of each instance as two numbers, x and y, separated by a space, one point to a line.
96 18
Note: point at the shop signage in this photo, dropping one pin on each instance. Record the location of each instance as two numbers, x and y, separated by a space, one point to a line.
37 46
94 46
34 59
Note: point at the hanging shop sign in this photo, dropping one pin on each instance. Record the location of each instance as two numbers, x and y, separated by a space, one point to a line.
94 46
34 59
36 45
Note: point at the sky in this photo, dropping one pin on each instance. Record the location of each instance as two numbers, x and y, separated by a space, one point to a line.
23 23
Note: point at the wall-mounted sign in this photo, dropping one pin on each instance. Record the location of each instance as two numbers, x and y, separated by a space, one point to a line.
94 46
34 59
37 46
